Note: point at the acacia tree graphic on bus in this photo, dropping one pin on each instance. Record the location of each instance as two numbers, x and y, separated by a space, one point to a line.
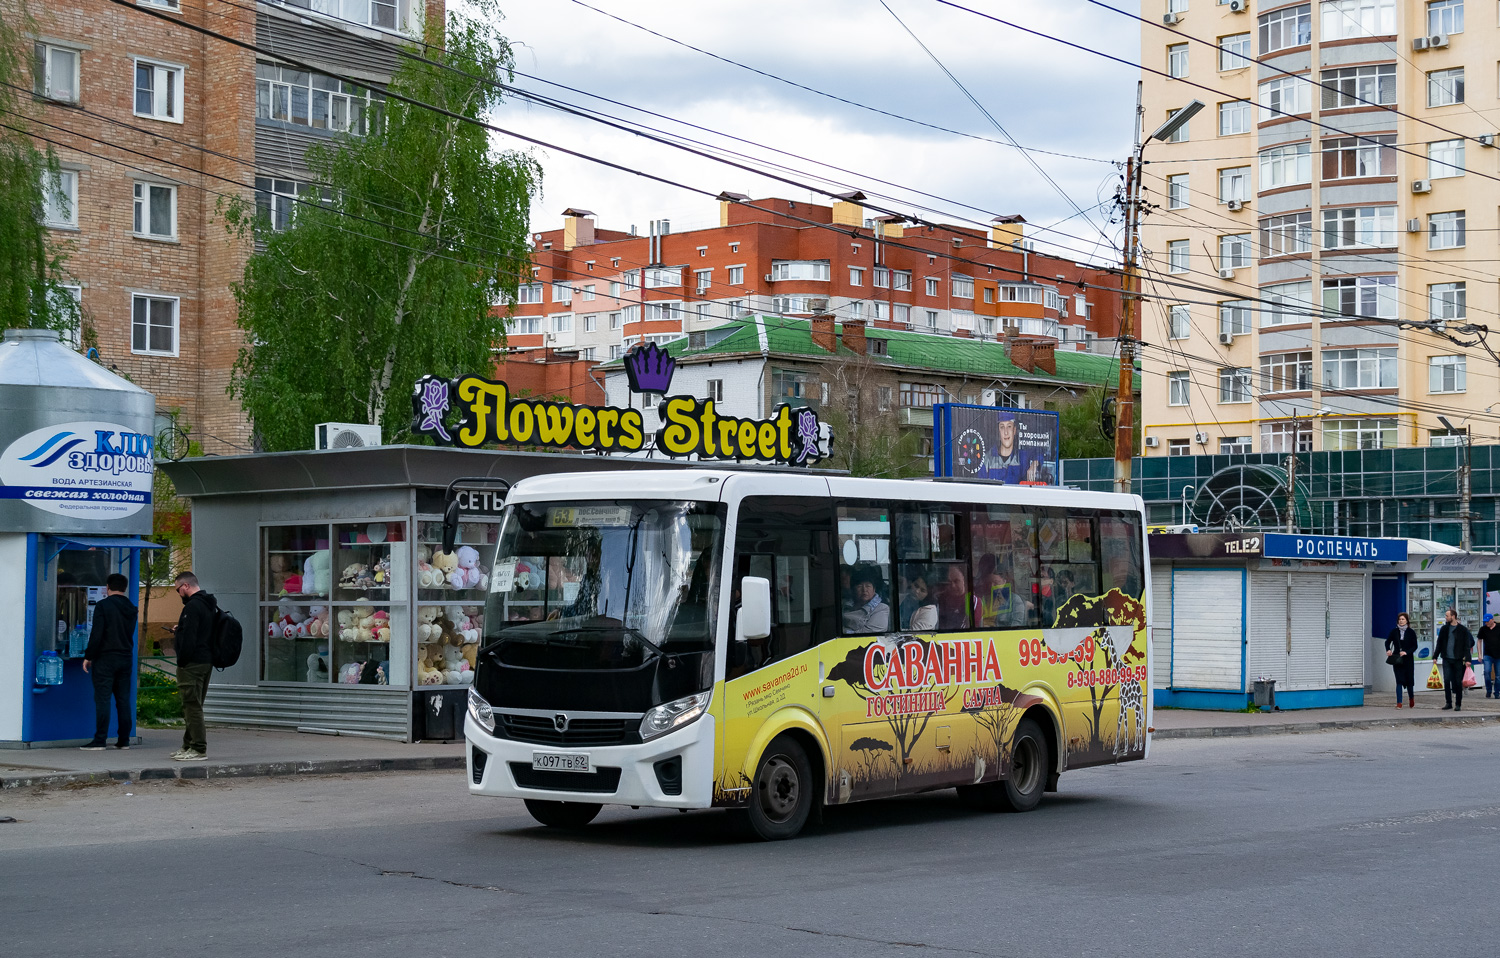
907 729
1114 608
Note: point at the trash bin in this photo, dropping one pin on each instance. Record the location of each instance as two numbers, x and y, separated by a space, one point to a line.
1265 694
439 715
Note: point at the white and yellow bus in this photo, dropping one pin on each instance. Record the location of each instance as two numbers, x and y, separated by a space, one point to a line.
776 641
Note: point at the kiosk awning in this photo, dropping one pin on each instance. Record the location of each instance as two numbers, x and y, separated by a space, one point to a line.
58 543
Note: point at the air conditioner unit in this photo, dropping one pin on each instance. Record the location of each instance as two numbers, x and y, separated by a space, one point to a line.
1227 273
1226 339
1486 139
1151 441
1238 6
1419 44
769 279
957 242
1421 186
345 435
1201 438
1414 226
1438 41
1171 19
1235 205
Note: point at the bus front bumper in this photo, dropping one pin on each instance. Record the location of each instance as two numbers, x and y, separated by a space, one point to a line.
622 774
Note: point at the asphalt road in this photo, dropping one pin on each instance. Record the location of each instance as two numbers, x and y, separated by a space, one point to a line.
1365 843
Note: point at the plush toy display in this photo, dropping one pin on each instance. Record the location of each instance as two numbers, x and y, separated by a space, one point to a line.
455 667
382 573
468 574
471 654
291 585
357 575
278 573
380 626
427 629
444 563
316 573
427 673
428 577
317 666
349 674
317 622
289 622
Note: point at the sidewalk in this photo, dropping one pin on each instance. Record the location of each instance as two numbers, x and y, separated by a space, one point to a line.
1379 711
232 753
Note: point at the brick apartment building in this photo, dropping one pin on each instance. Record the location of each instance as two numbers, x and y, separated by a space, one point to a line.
598 292
155 124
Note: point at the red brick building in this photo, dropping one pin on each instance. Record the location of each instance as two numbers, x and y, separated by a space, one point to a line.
155 125
600 291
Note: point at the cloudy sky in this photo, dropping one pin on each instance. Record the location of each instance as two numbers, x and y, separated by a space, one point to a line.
1045 95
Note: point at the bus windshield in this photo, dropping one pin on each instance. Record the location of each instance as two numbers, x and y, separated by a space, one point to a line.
604 584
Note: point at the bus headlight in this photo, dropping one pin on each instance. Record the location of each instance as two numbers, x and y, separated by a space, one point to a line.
481 712
673 715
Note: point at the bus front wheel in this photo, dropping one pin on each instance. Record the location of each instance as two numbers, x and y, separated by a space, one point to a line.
783 791
562 814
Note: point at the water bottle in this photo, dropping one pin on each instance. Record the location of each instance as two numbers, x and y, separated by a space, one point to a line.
49 668
78 642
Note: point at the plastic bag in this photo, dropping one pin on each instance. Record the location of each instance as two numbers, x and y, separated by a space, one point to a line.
1435 680
1469 680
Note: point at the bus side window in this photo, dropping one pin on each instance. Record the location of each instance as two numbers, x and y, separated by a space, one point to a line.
932 585
864 536
1080 574
1004 566
788 541
1120 553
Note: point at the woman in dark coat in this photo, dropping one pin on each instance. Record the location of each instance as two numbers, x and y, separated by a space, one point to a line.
1402 644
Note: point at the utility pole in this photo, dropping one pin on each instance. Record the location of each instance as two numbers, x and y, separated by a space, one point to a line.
1125 393
1291 480
1466 522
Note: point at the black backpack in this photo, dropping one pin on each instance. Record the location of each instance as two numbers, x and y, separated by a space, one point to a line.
225 640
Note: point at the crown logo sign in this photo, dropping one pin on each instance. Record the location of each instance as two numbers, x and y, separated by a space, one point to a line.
649 369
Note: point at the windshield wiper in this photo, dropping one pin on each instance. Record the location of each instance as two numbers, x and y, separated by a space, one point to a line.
546 639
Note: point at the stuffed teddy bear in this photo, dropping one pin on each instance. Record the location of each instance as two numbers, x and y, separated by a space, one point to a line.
350 577
427 629
427 674
380 626
316 572
468 573
450 635
291 620
443 563
349 674
317 666
470 652
427 576
455 667
317 622
463 623
382 573
278 573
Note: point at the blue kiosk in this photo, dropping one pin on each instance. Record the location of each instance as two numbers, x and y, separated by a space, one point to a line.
76 469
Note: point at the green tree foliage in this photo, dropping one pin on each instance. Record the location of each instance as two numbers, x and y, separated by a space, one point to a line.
1081 436
867 441
32 261
423 226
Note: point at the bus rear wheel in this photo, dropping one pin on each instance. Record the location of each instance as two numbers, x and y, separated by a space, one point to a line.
783 791
1022 790
562 814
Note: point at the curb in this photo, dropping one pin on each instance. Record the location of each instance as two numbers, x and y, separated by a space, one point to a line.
1290 728
191 772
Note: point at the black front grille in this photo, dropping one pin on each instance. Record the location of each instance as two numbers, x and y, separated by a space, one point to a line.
581 733
601 781
480 757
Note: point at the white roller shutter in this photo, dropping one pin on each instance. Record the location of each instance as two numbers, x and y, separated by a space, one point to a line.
1307 666
1207 605
1266 633
1348 604
1161 625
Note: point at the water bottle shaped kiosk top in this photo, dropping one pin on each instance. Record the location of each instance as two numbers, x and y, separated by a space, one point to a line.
49 668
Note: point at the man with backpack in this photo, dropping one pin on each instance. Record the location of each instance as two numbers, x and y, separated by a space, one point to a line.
194 634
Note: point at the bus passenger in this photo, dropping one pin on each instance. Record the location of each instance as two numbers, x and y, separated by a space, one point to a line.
919 611
955 603
870 614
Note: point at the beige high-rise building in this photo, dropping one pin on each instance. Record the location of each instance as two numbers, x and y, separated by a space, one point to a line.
1344 185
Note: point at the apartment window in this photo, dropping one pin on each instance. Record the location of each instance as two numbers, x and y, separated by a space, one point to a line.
1444 437
614 320
591 322
1349 157
153 325
1445 87
1177 256
155 211
1235 316
666 277
1360 227
60 199
1286 166
1234 384
1445 16
1234 250
1181 134
922 395
1287 27
1179 321
68 301
963 287
1286 303
856 276
562 292
663 311
57 72
1445 230
1234 184
1286 372
1445 158
716 390
857 309
1177 6
1021 293
615 351
1234 51
614 290
158 91
529 293
588 293
883 398
588 353
1357 297
1447 374
1177 389
1177 60
736 275
1234 117
528 325
704 278
312 99
932 318
1359 86
1294 436
799 270
562 323
901 313
1352 434
1448 301
1179 447
1359 368
790 385
1285 96
989 294
1286 235
1234 445
931 286
734 247
1346 19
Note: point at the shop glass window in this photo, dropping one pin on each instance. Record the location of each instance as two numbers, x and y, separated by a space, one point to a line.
296 582
451 591
788 541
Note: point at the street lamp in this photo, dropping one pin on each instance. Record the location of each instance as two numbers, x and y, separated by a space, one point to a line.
1124 394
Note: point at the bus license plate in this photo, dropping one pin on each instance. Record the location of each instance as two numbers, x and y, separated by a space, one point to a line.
560 761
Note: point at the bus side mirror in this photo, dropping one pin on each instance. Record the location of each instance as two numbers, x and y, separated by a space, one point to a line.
754 620
450 525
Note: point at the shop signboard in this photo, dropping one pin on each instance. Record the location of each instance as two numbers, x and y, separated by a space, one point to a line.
688 426
1014 446
88 470
1286 545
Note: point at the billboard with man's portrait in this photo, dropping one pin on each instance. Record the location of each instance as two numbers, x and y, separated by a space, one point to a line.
1014 446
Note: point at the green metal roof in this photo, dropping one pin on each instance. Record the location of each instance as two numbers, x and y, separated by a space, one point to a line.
793 337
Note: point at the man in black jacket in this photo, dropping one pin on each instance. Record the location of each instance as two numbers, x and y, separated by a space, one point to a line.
109 658
194 663
1454 646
